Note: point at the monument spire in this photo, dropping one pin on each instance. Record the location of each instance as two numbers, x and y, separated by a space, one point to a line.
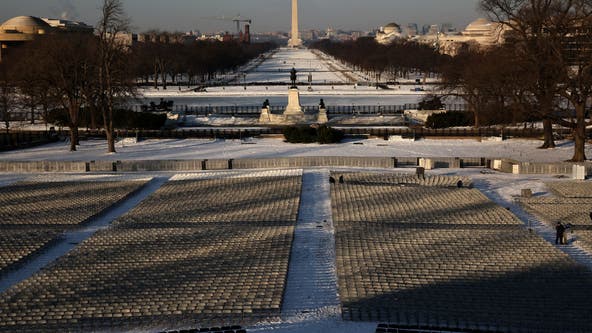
295 41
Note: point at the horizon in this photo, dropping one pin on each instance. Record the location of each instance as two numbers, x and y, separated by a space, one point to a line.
267 15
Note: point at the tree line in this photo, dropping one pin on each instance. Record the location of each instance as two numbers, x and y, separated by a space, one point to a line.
93 76
542 71
157 63
384 62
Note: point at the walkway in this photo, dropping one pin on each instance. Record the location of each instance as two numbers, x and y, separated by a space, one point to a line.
276 68
311 291
71 239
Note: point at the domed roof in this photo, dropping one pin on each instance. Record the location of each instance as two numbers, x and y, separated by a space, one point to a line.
392 28
480 24
25 21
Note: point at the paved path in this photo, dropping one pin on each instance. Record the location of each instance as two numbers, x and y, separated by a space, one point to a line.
277 68
311 291
71 239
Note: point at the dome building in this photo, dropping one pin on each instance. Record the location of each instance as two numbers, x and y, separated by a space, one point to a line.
480 33
21 29
389 33
24 26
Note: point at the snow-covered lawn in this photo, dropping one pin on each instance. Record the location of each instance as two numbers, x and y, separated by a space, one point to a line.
325 72
169 149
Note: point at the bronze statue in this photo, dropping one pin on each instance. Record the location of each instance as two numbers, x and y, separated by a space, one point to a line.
293 77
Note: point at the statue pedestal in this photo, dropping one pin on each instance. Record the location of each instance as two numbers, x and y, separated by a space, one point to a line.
265 116
294 111
322 119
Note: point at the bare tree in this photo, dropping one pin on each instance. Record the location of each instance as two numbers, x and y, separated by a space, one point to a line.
7 94
114 81
537 29
64 63
577 79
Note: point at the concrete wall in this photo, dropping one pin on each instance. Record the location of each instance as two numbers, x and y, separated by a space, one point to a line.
318 161
503 165
564 168
158 165
218 164
42 166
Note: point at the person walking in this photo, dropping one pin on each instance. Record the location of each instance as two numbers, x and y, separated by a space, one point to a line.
559 234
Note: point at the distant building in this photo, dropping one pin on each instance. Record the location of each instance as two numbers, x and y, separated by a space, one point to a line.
433 30
425 29
69 26
22 29
309 35
447 28
389 33
480 33
128 39
412 30
19 30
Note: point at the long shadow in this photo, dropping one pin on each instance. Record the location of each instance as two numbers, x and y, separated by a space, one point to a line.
519 302
458 272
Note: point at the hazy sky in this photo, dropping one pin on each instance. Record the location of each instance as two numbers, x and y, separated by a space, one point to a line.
267 15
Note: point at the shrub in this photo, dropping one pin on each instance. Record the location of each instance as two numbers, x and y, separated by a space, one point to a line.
300 134
431 103
307 134
449 119
328 135
126 119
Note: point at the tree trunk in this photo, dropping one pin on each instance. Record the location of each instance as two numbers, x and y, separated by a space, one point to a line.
110 141
549 142
32 115
73 137
93 118
476 118
579 133
109 125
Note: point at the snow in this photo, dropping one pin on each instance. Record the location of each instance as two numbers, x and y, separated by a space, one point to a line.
178 149
311 290
277 68
237 174
330 78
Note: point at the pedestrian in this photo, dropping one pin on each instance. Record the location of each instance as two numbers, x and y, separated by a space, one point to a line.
590 215
560 234
341 180
331 180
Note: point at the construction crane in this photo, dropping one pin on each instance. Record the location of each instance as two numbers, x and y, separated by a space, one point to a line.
236 19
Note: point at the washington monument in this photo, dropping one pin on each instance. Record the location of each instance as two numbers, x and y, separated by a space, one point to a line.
295 41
